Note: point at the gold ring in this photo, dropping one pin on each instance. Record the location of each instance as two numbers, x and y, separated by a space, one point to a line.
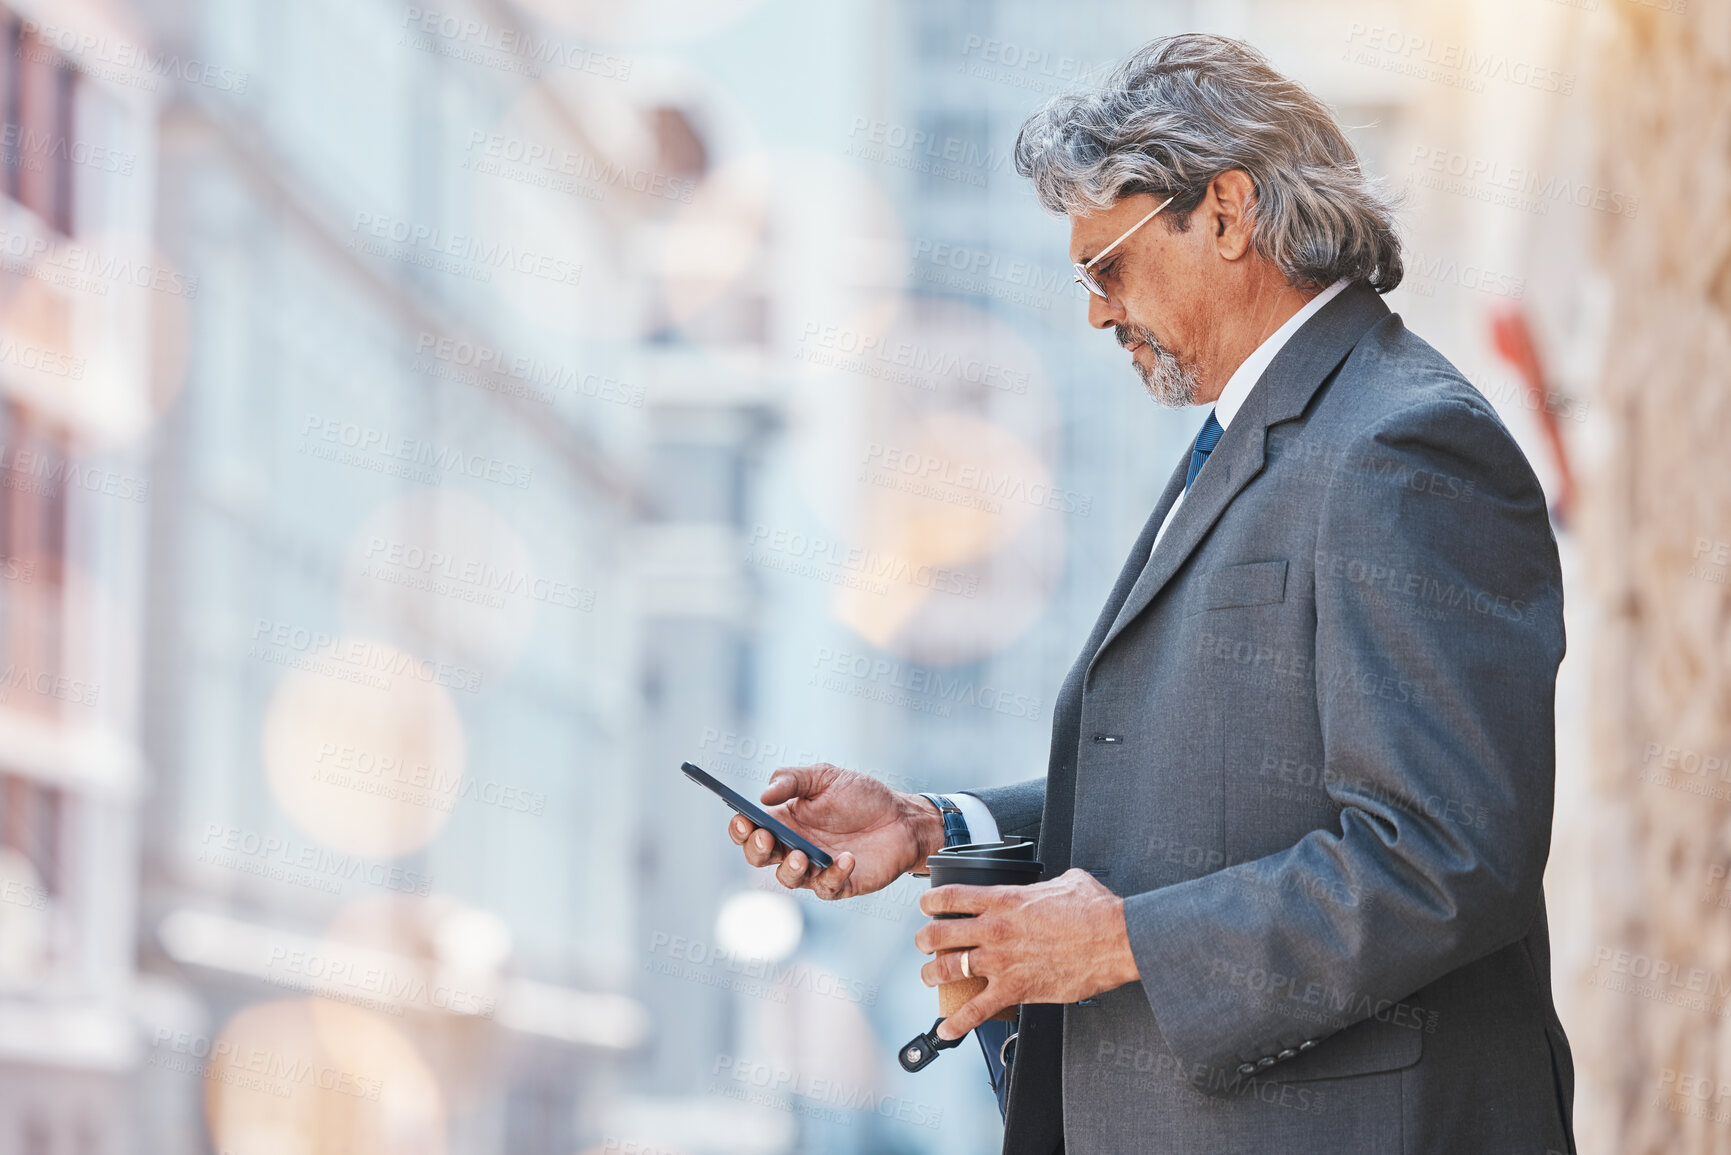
966 973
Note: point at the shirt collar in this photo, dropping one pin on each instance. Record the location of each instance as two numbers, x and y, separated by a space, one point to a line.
1246 376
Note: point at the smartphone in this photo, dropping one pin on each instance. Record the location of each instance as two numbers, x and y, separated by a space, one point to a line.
745 806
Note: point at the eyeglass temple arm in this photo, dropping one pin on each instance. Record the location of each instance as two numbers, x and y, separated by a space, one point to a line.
1130 230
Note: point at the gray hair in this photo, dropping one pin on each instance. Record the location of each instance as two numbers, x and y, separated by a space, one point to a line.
1185 109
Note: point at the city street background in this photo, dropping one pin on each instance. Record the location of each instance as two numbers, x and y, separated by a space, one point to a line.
424 427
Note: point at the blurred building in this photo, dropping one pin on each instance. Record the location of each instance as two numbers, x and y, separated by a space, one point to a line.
394 635
76 273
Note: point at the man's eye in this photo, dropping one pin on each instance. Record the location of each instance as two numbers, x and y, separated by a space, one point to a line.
1109 269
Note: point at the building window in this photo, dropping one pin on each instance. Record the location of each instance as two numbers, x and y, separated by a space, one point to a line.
33 467
30 829
38 98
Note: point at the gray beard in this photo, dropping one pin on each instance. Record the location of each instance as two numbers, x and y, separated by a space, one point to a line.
1171 382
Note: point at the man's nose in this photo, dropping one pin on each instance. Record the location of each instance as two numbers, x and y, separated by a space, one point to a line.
1104 312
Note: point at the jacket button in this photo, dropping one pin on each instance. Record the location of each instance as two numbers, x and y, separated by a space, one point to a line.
1289 1053
1307 1044
1265 1061
1247 1069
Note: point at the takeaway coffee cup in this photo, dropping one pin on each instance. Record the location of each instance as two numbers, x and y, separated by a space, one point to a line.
1008 863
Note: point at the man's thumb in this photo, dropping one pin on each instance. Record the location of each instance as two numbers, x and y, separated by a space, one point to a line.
786 783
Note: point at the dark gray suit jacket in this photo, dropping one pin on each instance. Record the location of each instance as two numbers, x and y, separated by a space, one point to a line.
1311 743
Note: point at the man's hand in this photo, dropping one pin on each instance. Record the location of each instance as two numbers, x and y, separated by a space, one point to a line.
875 834
1052 942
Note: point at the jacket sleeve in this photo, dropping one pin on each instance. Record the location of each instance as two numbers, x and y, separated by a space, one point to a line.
1016 808
1444 783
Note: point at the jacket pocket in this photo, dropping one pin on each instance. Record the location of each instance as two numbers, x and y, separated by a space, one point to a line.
1259 583
1364 1048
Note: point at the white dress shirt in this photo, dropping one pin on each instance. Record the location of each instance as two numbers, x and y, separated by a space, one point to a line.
981 826
1245 377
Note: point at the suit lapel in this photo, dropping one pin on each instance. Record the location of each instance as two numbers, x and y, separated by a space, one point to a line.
1282 393
1135 565
1055 834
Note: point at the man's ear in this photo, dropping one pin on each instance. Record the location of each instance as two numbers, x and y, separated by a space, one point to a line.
1232 211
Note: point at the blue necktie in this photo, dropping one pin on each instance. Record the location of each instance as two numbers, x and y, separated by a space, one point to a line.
1205 443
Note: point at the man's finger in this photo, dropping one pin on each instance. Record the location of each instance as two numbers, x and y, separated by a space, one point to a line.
787 783
972 1013
947 967
957 899
948 934
792 871
832 883
761 849
739 829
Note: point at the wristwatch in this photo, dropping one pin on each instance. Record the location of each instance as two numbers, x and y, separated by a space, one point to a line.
955 826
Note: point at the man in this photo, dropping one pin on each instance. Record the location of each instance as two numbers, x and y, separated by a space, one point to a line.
1299 795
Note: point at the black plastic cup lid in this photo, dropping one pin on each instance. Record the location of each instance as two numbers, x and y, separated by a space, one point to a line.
990 863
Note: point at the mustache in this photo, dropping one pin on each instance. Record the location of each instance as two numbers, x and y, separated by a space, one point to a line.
1129 335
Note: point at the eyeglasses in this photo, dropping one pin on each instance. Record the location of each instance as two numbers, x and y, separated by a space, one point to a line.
1085 278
